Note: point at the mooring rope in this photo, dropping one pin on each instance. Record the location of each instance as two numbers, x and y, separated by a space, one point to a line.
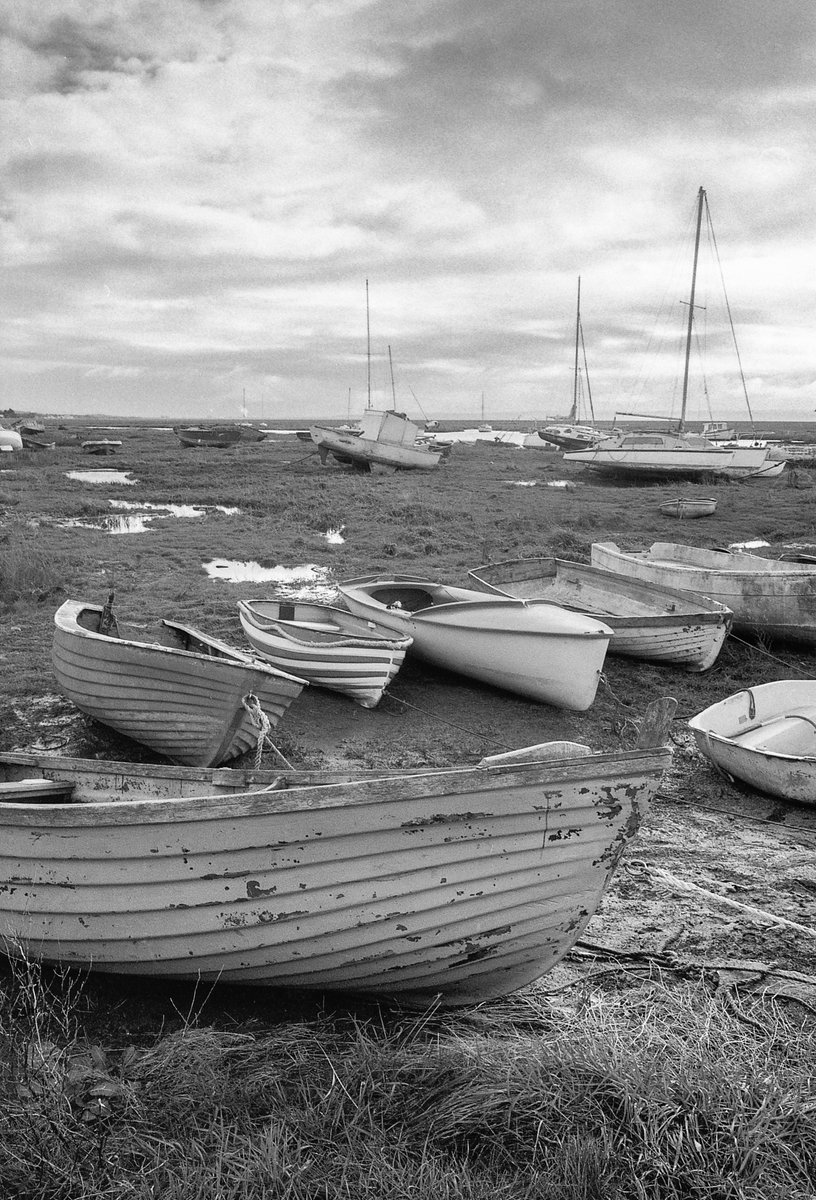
488 737
261 721
774 658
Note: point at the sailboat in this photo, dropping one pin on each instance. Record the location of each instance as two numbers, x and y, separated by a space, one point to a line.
569 434
677 452
383 438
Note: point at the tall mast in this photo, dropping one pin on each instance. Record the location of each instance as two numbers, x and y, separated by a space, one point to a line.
368 347
393 390
574 410
700 201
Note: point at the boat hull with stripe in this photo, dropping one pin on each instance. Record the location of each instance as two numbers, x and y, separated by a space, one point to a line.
189 698
327 646
648 622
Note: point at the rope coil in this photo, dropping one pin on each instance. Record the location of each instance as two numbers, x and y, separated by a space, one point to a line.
262 723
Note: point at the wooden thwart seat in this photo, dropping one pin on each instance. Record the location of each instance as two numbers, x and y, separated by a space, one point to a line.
36 791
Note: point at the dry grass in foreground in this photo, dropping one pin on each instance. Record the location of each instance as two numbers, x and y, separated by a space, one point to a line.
651 1093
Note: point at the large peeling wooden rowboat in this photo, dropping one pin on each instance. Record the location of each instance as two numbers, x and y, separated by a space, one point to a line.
325 645
464 883
765 736
192 698
647 621
766 595
527 646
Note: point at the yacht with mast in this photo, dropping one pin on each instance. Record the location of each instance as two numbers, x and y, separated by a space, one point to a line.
383 438
569 434
677 452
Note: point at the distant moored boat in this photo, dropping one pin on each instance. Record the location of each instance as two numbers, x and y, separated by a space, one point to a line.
218 436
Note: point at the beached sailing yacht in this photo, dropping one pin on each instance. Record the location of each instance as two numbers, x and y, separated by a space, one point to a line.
568 433
677 452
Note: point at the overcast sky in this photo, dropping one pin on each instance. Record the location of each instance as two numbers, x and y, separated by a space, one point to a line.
194 193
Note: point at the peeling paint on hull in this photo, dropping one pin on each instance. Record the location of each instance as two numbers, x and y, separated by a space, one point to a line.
466 882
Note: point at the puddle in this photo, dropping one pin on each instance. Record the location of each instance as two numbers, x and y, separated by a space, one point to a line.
102 476
141 515
560 483
305 582
523 483
335 536
757 544
175 510
136 524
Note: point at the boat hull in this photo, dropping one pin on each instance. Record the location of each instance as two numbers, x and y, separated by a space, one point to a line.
459 885
765 736
687 508
647 622
193 706
326 646
734 463
218 438
767 596
533 648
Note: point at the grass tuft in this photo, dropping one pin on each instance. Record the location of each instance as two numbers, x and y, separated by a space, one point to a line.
662 1094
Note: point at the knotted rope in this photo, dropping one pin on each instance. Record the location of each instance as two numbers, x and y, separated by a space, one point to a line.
262 723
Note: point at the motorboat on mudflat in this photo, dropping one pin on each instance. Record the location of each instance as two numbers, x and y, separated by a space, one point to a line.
383 438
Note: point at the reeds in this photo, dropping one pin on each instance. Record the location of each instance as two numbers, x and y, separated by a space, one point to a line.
27 569
657 1093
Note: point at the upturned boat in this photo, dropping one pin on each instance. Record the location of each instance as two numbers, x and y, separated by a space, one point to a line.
527 646
647 621
765 736
453 885
190 697
325 645
766 595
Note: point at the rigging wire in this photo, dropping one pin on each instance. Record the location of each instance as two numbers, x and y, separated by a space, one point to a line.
728 310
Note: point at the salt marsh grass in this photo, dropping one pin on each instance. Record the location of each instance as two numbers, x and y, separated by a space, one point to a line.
656 1093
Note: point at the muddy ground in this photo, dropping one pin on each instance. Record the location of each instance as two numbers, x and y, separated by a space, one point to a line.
720 877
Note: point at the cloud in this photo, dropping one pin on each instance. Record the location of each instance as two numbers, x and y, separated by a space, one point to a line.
204 187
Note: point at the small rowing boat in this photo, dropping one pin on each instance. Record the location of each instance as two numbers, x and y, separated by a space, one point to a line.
766 595
527 646
647 621
688 507
214 436
765 736
327 646
188 696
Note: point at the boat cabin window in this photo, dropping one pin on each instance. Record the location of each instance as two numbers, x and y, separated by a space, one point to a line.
641 442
